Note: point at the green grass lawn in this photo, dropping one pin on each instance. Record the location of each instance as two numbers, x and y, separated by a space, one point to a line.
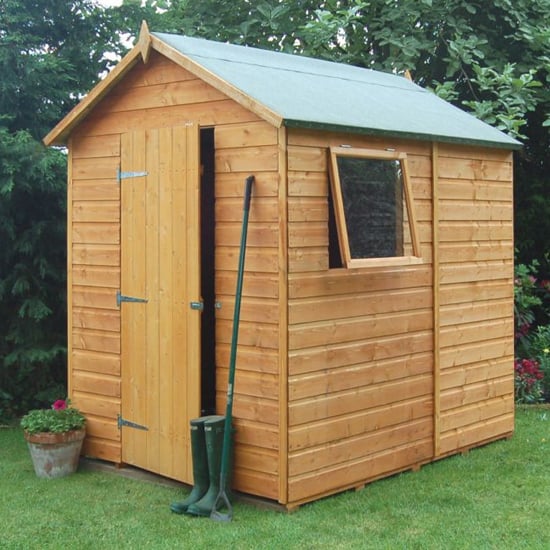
494 497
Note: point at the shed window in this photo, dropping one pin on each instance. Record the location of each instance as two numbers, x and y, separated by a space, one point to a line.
373 207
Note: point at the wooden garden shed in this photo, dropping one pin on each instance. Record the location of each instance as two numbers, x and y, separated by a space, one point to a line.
376 326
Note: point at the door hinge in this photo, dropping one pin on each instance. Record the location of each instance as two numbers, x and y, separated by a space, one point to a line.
126 175
122 298
123 422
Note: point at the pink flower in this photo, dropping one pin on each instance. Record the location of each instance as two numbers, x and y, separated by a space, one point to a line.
59 405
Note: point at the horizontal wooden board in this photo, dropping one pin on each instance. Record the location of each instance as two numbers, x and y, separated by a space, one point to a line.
99 427
262 210
96 211
96 233
355 473
158 70
476 412
463 375
308 234
259 235
470 313
457 231
100 319
106 407
183 92
328 381
324 431
215 113
307 209
481 251
96 190
232 185
252 134
468 152
257 384
358 328
96 362
250 334
477 393
476 352
257 459
95 168
259 285
308 310
474 169
476 332
262 158
263 260
246 407
358 447
479 211
355 400
307 184
475 191
355 353
476 271
100 276
306 260
96 147
358 281
475 292
96 254
311 159
96 340
476 434
256 483
255 434
94 297
102 449
100 384
252 358
253 310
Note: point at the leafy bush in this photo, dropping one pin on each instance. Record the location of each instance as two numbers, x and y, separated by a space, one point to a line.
528 381
61 417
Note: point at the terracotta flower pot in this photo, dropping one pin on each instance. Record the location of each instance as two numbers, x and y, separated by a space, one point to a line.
55 454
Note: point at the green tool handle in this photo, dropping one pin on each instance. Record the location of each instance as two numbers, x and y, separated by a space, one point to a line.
234 339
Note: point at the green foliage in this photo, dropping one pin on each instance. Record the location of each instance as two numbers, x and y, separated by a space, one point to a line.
528 383
61 417
525 303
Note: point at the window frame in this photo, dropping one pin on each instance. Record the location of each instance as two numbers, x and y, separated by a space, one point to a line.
339 212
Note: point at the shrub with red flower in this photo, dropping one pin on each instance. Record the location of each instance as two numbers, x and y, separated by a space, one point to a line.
59 405
528 381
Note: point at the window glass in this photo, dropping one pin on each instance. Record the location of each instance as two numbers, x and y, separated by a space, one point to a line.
372 202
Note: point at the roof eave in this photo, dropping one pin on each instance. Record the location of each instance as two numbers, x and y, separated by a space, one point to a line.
311 125
60 133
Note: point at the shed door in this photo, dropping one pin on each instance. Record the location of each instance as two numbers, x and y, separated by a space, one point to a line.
160 263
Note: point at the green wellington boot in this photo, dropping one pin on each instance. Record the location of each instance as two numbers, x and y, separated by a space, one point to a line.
201 479
213 433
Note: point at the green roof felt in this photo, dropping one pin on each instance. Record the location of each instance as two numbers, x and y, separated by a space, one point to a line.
314 93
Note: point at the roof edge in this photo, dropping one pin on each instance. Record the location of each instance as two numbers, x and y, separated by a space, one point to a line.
294 123
217 82
59 134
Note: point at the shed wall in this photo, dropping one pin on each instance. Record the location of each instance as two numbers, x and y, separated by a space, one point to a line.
475 288
360 340
161 94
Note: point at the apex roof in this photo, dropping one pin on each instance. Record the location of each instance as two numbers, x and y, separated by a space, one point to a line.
292 90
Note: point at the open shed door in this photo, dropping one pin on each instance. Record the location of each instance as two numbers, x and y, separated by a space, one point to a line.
160 290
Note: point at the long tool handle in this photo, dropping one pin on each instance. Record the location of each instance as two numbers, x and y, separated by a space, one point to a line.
226 450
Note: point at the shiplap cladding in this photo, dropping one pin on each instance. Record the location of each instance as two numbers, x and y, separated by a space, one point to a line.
476 342
155 95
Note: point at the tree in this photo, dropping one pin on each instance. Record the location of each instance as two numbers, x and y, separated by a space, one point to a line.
51 53
490 58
